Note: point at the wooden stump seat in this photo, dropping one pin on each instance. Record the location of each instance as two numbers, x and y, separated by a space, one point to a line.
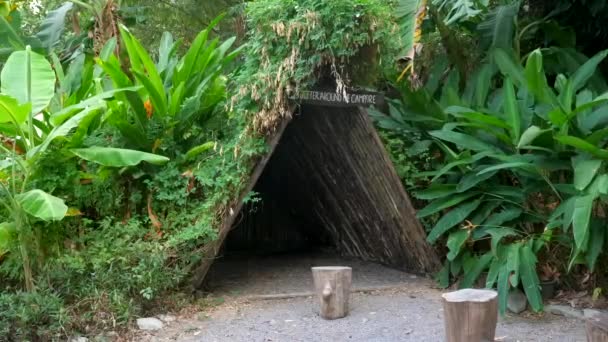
470 315
332 286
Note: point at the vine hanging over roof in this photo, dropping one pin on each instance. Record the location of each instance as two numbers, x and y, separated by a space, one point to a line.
294 43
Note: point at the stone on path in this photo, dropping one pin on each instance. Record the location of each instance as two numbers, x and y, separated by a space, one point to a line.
517 301
166 318
564 310
149 323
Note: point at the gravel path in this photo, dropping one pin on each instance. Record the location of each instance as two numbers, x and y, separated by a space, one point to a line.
410 311
408 315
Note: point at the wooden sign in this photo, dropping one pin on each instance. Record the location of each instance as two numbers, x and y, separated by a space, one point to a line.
343 99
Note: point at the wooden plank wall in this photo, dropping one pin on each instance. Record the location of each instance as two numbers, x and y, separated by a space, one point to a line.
332 165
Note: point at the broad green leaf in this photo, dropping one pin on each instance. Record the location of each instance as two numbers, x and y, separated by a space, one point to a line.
42 205
65 128
61 116
596 242
117 157
537 81
509 67
29 78
529 278
529 135
584 171
557 117
195 151
512 110
482 213
446 168
13 38
582 145
471 115
497 234
511 165
580 220
503 216
157 99
472 179
464 141
436 191
188 62
7 232
145 70
513 261
503 288
452 218
480 265
12 112
455 242
443 203
176 98
493 273
497 30
443 276
582 75
52 26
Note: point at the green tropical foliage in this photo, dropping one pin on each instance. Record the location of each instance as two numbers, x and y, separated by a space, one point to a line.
522 168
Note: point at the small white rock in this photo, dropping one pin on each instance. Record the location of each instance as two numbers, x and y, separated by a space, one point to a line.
166 318
79 339
149 323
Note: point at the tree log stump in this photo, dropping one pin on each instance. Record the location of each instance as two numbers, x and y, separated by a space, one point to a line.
597 328
470 315
332 285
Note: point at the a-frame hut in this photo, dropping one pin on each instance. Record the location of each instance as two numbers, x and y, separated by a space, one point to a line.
327 178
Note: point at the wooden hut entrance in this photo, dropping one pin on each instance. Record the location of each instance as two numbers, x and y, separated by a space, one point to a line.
328 184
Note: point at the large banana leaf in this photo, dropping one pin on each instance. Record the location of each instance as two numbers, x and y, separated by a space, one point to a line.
29 78
53 25
11 35
407 12
117 157
12 112
42 205
65 129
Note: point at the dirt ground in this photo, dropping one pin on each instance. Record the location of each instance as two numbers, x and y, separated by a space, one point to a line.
406 309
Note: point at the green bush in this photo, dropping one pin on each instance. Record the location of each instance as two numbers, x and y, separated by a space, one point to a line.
32 316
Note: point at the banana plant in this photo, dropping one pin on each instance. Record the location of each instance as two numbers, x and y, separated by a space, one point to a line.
27 86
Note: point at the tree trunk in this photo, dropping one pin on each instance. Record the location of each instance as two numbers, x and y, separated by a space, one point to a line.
470 315
332 285
597 328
